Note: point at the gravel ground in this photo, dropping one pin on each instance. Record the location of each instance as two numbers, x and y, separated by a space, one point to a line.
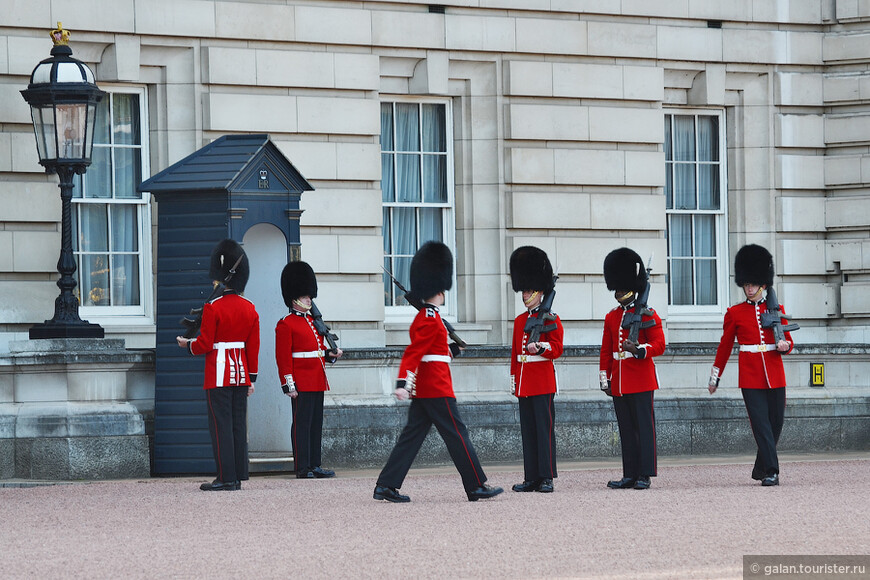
697 521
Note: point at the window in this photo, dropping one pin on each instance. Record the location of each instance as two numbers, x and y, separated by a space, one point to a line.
695 196
416 185
111 221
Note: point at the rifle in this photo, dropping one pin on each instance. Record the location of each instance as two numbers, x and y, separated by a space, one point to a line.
535 326
418 304
633 321
772 318
192 324
323 329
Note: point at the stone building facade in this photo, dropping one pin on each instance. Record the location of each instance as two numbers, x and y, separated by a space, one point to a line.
682 129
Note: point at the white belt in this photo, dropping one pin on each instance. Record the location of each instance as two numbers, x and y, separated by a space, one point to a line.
622 354
221 362
529 358
436 358
309 354
756 347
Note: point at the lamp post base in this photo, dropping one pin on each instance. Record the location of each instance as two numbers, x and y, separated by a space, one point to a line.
51 329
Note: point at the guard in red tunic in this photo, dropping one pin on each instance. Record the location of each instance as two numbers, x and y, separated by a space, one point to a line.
424 376
627 372
533 375
761 376
302 356
229 337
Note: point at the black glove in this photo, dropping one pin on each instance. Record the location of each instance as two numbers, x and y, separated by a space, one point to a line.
634 349
455 349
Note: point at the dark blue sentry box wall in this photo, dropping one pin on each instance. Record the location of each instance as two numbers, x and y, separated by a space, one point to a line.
218 192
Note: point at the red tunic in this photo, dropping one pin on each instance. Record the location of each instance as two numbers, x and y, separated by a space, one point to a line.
299 352
230 338
756 370
627 374
425 365
534 374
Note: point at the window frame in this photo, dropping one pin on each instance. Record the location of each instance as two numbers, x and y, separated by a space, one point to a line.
406 313
144 312
695 312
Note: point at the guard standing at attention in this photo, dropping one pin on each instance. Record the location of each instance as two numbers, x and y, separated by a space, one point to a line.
424 376
537 342
229 336
302 357
761 376
633 335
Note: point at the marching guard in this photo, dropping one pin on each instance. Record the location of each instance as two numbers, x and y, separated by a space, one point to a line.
229 337
761 376
424 376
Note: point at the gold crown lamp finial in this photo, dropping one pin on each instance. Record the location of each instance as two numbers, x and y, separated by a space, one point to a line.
59 36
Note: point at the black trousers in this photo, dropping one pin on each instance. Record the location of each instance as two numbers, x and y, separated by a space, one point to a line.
766 410
444 414
227 425
537 415
637 433
306 435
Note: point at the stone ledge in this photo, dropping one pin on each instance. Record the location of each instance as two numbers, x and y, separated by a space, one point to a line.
363 434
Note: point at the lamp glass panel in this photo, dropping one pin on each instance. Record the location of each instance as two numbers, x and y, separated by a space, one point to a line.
71 127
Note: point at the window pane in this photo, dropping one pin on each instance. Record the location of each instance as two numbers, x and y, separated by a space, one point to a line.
708 186
77 186
386 127
388 283
386 230
680 235
125 280
403 275
404 231
706 282
74 219
431 227
101 123
684 186
94 280
388 185
127 173
407 127
94 228
708 138
669 155
125 118
408 170
98 179
681 282
669 185
705 236
684 138
434 178
125 229
434 129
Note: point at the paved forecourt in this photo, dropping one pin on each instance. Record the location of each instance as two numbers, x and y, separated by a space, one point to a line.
698 520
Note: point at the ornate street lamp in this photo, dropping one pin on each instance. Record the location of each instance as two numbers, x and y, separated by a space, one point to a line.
63 101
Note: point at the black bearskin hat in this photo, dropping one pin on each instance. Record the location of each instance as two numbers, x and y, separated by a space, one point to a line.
297 279
753 264
223 258
431 270
531 270
623 270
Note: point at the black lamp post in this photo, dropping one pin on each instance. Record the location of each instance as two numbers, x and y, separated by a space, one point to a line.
63 101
